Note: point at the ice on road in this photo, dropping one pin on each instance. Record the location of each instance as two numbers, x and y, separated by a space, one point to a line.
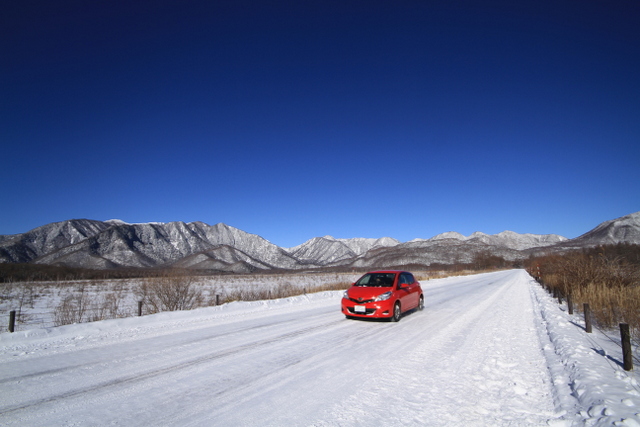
477 355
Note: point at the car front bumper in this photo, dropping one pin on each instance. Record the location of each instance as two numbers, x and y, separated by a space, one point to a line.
378 309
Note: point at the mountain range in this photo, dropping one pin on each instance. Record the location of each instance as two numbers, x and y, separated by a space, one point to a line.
196 245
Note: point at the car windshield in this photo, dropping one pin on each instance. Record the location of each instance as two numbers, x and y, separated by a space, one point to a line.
383 280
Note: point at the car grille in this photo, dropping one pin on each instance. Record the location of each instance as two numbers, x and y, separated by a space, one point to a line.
364 301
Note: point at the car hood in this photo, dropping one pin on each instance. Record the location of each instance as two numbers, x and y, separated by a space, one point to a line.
365 292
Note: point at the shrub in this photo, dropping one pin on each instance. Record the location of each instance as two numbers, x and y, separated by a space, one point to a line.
72 308
170 291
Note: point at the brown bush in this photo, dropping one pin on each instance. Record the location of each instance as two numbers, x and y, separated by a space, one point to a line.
606 277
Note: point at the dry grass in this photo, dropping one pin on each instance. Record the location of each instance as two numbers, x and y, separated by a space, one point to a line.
611 304
609 283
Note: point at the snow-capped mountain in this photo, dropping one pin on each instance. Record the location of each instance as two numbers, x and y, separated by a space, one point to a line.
111 244
327 250
361 245
434 251
156 244
624 229
506 238
48 238
447 235
196 245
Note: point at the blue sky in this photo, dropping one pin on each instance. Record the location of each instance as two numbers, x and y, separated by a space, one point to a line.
293 120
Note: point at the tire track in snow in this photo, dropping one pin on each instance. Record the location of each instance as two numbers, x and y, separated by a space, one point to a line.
162 371
128 351
314 362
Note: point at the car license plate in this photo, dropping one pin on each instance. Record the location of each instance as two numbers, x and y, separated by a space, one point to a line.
359 308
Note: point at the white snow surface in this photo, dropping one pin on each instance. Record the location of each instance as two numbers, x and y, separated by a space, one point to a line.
488 350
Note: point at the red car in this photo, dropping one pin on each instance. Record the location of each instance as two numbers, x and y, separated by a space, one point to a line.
383 294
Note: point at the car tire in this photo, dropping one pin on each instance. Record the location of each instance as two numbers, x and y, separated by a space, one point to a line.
397 312
421 303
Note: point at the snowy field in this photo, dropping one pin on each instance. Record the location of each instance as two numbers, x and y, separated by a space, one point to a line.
488 350
36 303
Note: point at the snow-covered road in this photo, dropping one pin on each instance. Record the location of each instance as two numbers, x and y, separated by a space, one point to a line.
480 354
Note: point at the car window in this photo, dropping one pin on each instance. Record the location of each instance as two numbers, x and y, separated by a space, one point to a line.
406 279
377 280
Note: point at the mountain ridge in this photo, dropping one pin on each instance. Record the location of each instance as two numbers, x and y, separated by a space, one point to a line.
220 247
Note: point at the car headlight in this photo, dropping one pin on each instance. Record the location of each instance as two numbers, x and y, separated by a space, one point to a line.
383 297
345 295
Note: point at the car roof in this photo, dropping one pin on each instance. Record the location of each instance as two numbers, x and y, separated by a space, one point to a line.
386 271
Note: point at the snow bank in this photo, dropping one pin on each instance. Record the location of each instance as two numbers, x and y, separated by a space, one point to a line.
592 387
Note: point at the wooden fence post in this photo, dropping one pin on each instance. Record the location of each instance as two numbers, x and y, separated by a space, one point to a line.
627 355
217 299
139 308
570 303
12 320
587 318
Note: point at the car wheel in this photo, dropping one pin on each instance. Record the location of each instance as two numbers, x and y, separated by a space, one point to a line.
396 312
421 303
